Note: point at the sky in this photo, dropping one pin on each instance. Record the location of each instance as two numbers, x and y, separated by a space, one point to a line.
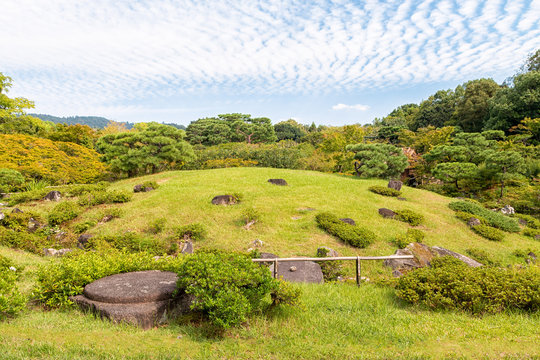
328 62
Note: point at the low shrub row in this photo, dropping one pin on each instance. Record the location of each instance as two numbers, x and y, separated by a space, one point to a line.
104 197
353 235
32 242
130 242
63 212
450 284
409 216
494 219
531 221
383 190
488 232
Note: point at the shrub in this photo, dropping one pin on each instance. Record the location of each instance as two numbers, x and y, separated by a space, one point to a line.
228 163
81 189
353 235
250 215
386 191
195 232
104 197
482 256
525 207
493 218
18 221
58 281
130 242
63 212
401 241
27 196
150 184
465 216
412 235
84 226
531 232
409 216
11 300
285 293
5 263
34 184
34 243
488 232
228 287
416 235
450 284
10 180
156 226
331 269
532 222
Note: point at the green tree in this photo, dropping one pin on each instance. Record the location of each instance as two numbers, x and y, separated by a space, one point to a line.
153 148
425 139
79 134
453 172
251 130
512 104
208 132
505 164
472 108
335 141
289 130
378 160
437 110
533 62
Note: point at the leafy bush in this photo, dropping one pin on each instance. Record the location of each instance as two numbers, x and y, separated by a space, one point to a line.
412 235
156 226
250 215
10 180
416 235
493 218
532 222
386 191
27 196
18 221
331 269
81 189
525 207
488 232
23 240
531 232
353 235
401 241
465 216
228 287
129 241
195 232
5 263
58 281
104 197
228 163
84 226
482 256
450 284
150 184
409 216
63 212
11 300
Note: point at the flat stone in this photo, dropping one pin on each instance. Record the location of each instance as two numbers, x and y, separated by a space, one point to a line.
224 200
33 225
348 221
280 182
138 188
445 252
133 287
387 213
304 271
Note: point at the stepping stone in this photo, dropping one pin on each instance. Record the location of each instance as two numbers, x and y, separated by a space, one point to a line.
141 298
224 200
280 182
348 221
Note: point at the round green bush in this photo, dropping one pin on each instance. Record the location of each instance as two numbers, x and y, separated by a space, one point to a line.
450 284
353 235
386 191
195 232
488 232
11 300
10 180
63 212
409 216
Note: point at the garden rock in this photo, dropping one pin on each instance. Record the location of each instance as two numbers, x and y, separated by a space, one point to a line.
33 225
53 196
2 216
140 188
348 221
325 251
141 298
508 210
387 213
54 252
304 271
395 184
445 252
473 222
187 248
280 182
402 199
106 219
224 200
83 240
17 211
257 243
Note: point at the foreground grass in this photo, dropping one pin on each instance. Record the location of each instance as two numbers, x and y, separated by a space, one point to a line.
336 321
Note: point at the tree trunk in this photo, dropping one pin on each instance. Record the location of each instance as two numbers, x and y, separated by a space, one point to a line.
502 182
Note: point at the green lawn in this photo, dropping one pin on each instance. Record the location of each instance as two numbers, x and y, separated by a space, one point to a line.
336 321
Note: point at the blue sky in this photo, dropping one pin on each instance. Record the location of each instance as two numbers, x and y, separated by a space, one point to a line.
331 62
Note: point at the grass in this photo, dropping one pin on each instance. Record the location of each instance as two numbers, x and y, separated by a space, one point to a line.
337 321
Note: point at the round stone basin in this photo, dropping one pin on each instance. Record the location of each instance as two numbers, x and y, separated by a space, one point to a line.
132 288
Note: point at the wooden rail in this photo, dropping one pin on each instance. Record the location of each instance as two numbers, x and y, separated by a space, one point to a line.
357 258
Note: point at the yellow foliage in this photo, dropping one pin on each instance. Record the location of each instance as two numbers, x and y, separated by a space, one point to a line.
57 162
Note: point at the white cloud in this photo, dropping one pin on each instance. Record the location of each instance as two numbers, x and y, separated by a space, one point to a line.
73 55
350 107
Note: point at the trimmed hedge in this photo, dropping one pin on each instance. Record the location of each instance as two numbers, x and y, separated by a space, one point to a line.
488 232
465 216
353 235
63 212
386 191
493 218
450 284
532 222
195 232
105 197
482 256
409 216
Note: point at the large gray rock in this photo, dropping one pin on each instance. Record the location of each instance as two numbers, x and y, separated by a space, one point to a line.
472 222
83 240
395 184
280 182
187 248
53 196
224 200
299 271
141 298
387 213
423 255
508 210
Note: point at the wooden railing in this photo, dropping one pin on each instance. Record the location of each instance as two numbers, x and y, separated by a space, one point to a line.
357 258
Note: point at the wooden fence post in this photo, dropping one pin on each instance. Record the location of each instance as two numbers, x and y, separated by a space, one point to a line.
275 268
358 271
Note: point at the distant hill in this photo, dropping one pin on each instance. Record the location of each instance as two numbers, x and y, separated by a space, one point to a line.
96 122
